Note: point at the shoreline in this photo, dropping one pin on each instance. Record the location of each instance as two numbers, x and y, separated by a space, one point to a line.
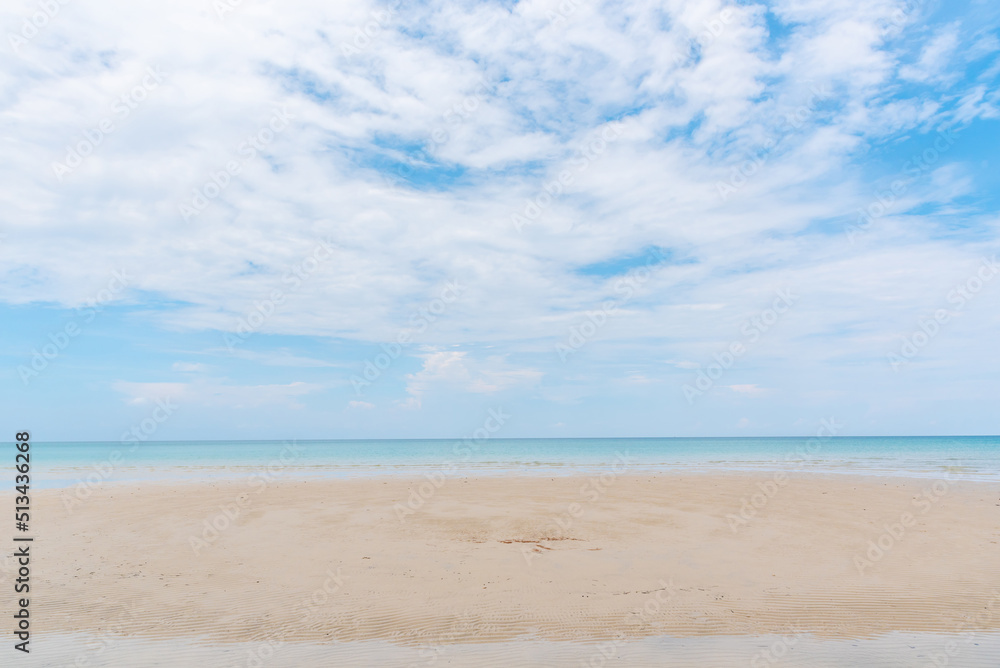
68 477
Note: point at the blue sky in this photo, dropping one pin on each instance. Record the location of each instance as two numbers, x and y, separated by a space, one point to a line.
361 220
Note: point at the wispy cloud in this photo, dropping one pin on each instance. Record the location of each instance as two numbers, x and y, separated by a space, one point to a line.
748 390
188 367
410 152
455 370
214 393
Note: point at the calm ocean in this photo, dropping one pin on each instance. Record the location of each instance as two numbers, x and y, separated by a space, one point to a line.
60 464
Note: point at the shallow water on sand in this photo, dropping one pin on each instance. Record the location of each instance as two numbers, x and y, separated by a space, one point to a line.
896 650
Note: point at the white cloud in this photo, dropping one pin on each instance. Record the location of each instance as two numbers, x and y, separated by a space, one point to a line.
215 393
689 124
456 370
187 367
934 58
140 394
220 89
282 357
749 390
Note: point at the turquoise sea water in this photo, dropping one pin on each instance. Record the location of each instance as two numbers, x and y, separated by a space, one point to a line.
970 457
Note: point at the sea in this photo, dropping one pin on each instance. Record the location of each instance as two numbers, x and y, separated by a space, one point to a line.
62 464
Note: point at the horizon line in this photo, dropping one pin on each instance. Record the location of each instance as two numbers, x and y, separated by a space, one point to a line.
533 438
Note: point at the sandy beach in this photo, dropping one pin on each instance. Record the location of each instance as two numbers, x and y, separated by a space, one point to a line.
497 558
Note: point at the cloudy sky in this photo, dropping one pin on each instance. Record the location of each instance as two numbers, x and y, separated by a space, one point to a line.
360 219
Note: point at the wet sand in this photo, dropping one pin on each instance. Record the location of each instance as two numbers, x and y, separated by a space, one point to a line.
498 558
